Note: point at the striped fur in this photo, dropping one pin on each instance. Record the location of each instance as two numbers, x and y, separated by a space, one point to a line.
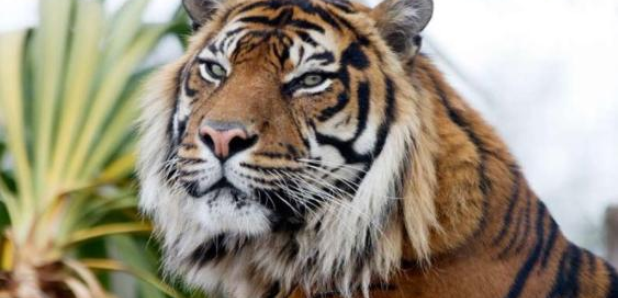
377 181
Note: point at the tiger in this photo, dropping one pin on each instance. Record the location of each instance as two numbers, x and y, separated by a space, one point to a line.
308 148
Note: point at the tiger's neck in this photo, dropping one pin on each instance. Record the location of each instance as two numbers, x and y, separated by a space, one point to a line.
475 172
482 201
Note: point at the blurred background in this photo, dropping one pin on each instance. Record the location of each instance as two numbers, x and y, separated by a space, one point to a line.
544 73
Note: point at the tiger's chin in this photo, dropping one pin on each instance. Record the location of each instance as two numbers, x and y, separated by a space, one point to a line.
229 211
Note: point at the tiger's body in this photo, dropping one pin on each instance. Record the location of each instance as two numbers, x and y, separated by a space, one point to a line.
515 249
303 148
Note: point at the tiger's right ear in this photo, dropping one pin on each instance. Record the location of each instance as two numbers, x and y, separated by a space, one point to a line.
400 23
201 11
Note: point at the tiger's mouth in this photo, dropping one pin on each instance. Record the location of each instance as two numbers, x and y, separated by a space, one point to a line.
241 192
192 188
223 183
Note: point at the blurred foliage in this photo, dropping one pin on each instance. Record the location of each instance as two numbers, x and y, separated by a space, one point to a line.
68 102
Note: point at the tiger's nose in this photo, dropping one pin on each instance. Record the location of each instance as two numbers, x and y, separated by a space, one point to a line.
225 139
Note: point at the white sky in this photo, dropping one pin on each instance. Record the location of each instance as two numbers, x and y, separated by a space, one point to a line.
545 73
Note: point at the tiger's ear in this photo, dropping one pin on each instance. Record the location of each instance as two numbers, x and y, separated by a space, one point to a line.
201 11
400 23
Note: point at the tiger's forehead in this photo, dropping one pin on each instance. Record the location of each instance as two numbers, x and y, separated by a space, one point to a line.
297 31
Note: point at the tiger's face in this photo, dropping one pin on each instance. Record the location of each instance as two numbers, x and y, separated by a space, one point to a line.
287 121
274 116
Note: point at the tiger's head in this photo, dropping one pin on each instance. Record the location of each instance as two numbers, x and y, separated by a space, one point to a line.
284 142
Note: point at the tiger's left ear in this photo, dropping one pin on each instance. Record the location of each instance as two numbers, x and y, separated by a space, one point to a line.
201 11
400 23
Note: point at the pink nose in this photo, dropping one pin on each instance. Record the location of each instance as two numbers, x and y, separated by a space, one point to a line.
224 142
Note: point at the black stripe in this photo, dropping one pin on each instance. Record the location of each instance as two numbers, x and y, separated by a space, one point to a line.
326 17
305 37
355 56
229 37
282 20
524 272
301 54
404 169
592 262
344 76
551 242
288 214
566 283
342 102
188 90
173 141
389 117
282 50
263 181
169 171
234 32
527 224
305 6
342 5
212 250
612 291
273 291
182 128
345 148
250 42
193 188
514 236
213 48
363 93
508 216
276 155
269 170
190 161
306 25
329 17
182 123
285 17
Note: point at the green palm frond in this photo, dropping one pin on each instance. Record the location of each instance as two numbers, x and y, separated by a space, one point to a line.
68 100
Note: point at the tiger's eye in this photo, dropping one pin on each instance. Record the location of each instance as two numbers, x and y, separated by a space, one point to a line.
312 80
216 70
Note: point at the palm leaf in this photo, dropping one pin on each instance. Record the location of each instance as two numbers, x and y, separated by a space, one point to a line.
52 42
82 65
107 230
11 103
68 93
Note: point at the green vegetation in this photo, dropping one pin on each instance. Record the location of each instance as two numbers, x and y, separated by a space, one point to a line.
68 103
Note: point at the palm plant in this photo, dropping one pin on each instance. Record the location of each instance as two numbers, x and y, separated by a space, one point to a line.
67 103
